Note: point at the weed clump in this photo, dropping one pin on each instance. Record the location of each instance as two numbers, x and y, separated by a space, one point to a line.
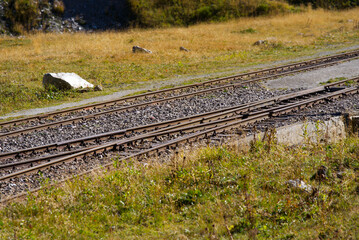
248 30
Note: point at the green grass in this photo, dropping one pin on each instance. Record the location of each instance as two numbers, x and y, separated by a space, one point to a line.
248 30
157 13
211 194
338 79
333 80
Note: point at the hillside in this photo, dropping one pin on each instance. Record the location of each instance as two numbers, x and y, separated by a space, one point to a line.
20 16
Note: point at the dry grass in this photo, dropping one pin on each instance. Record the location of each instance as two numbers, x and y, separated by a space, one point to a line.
106 58
203 39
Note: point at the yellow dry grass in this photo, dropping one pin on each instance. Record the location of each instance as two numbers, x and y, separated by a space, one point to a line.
203 39
106 57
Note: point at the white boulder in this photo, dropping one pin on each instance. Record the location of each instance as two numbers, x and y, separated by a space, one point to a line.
65 81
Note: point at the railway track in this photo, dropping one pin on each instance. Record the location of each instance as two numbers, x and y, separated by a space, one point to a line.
190 120
50 120
155 138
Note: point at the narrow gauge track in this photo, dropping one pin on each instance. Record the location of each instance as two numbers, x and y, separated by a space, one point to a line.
43 121
199 118
171 137
74 120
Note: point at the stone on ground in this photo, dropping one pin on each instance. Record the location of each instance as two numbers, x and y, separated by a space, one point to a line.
65 81
184 49
260 42
300 185
137 49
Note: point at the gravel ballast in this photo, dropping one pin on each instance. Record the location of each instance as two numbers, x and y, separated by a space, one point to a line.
141 116
311 79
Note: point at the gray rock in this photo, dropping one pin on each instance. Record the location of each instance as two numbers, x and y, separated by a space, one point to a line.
299 185
184 49
65 81
137 49
260 42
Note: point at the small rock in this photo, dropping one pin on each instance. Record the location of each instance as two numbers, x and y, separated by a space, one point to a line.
299 184
65 81
184 49
260 42
98 88
136 49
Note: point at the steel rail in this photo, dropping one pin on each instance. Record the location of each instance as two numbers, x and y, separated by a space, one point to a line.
350 55
210 127
190 119
195 118
123 132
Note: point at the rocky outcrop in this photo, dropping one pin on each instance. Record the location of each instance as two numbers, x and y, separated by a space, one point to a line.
79 15
65 81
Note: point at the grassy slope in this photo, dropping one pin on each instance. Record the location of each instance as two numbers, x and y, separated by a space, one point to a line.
186 12
212 194
106 58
